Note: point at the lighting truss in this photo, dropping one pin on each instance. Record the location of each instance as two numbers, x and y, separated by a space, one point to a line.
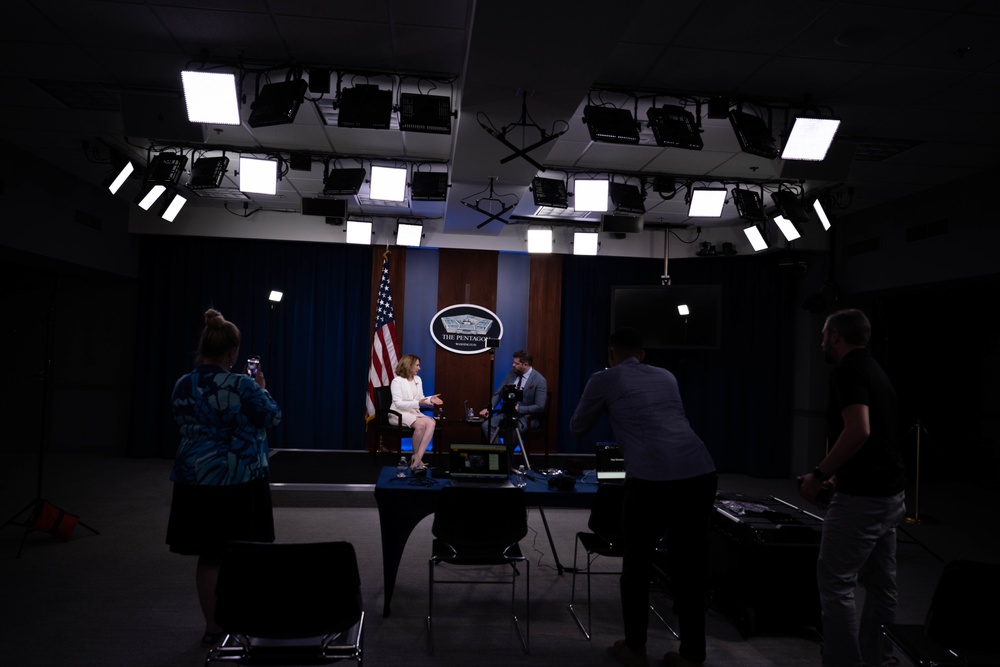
211 97
753 134
425 113
611 125
810 138
277 103
674 126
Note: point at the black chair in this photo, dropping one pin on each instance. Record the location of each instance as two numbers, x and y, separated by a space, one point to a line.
289 604
480 526
538 427
960 622
603 540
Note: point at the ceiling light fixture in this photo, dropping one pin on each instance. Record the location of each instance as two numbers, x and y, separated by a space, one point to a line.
211 97
409 233
810 138
173 207
790 206
258 176
787 228
425 113
627 198
429 186
277 103
208 172
148 196
359 231
540 240
753 134
707 202
591 195
121 174
756 239
364 106
674 126
821 213
586 243
611 125
549 192
344 181
748 204
388 184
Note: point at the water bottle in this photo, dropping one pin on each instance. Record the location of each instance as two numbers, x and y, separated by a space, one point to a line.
402 467
469 414
520 477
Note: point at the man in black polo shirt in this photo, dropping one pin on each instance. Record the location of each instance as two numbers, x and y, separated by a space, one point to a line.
864 471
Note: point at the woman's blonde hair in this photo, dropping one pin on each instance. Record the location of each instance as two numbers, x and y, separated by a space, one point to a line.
404 367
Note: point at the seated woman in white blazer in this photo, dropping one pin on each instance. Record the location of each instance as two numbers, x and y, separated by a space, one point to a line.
407 397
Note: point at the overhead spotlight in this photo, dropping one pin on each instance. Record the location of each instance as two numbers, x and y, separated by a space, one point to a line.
277 103
586 243
753 134
208 172
260 176
120 175
756 239
549 192
787 228
591 195
365 106
344 181
425 113
540 240
165 168
674 126
627 198
211 97
665 185
790 206
683 310
173 207
359 231
748 204
388 184
707 202
810 138
275 296
409 233
821 212
429 186
611 125
148 196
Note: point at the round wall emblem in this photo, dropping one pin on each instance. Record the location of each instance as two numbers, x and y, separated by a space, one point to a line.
464 328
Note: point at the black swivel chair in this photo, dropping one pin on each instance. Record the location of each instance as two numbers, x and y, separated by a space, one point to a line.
289 604
480 526
961 620
603 540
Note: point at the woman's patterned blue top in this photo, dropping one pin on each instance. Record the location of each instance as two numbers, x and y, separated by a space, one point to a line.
222 417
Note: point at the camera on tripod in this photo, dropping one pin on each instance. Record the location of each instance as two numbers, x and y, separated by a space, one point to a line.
510 396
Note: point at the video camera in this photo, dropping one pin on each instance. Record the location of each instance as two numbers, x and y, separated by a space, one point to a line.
510 396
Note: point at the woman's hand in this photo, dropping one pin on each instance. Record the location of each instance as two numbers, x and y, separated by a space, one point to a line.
434 400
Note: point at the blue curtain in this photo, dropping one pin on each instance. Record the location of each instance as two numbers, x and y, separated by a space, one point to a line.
314 345
738 398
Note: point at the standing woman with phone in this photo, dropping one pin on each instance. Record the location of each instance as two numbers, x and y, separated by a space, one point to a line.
220 474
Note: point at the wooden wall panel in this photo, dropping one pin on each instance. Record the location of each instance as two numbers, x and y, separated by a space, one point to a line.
465 276
544 316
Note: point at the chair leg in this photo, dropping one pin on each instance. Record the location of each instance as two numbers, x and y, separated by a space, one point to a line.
525 637
430 607
572 595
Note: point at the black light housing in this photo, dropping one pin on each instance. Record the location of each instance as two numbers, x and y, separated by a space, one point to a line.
627 198
208 172
674 126
749 204
790 205
277 103
753 134
365 106
611 125
429 186
425 113
549 192
344 181
165 168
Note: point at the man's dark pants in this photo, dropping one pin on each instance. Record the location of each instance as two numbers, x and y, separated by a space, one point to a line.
681 510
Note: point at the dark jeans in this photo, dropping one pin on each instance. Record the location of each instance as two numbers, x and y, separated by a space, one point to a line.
681 510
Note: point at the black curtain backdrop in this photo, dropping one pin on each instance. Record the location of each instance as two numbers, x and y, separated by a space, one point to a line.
738 398
313 345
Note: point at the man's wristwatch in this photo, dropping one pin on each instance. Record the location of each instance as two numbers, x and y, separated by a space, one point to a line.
820 475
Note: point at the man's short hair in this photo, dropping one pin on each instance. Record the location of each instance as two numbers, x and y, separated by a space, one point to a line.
525 357
626 342
852 324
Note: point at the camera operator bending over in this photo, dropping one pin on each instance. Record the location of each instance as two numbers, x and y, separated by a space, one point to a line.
535 390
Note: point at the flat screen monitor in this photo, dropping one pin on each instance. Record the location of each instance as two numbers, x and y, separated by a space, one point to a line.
653 311
478 462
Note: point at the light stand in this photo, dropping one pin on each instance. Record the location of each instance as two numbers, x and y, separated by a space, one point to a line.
491 345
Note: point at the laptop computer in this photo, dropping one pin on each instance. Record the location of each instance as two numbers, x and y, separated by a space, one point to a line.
481 464
609 463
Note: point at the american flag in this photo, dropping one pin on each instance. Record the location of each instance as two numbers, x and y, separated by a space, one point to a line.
384 343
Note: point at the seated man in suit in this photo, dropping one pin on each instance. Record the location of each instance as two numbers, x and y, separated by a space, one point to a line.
522 376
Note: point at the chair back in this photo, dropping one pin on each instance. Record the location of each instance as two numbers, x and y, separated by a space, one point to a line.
606 513
480 516
283 591
383 401
537 424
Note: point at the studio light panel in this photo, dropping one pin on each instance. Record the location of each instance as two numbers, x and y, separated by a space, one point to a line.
258 176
